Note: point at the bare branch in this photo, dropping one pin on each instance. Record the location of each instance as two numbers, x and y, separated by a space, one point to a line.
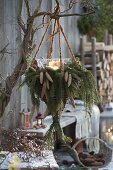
2 77
40 26
56 14
53 15
75 14
21 24
27 35
10 83
27 7
4 48
71 4
3 51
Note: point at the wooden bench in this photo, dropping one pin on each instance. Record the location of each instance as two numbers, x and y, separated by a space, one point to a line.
64 122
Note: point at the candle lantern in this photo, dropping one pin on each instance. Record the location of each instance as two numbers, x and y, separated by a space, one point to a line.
25 118
40 119
106 124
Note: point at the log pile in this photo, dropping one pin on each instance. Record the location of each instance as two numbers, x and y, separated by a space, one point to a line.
103 67
104 72
105 82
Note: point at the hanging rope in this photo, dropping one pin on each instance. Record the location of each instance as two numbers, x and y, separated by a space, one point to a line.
60 30
70 50
59 41
53 34
42 38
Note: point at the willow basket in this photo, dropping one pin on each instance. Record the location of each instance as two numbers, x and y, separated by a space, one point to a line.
104 150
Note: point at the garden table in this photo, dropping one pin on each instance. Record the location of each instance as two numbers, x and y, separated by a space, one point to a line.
45 162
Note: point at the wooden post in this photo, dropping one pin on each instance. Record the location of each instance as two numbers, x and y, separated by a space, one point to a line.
82 49
94 58
110 39
106 37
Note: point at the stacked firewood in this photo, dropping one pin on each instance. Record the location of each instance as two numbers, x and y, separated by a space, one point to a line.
104 73
98 57
105 82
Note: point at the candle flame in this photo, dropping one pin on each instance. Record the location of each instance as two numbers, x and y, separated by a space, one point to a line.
55 65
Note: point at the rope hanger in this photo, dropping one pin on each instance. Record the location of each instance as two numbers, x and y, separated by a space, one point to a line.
59 31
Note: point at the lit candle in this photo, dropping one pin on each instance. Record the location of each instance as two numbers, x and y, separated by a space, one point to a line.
112 138
54 65
39 119
109 130
51 63
39 122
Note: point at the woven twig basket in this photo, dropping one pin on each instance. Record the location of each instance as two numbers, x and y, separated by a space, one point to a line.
104 149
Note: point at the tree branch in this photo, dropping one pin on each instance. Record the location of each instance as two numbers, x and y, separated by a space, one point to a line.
10 83
21 24
27 7
4 48
75 14
53 15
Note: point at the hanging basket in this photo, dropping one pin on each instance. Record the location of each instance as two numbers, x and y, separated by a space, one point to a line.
92 159
54 82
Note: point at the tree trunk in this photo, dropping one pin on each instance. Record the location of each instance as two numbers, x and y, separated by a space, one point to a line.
10 83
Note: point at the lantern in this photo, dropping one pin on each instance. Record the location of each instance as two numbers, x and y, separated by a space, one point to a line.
40 119
106 124
25 118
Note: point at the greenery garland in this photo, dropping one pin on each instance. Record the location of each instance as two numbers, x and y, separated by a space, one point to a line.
54 87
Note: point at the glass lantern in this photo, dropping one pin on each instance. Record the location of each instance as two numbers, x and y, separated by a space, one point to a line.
106 124
25 118
40 119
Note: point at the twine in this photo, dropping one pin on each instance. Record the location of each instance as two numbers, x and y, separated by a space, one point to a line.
60 30
51 48
60 52
68 45
43 37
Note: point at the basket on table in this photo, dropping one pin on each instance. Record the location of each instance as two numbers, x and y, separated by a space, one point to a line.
92 159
